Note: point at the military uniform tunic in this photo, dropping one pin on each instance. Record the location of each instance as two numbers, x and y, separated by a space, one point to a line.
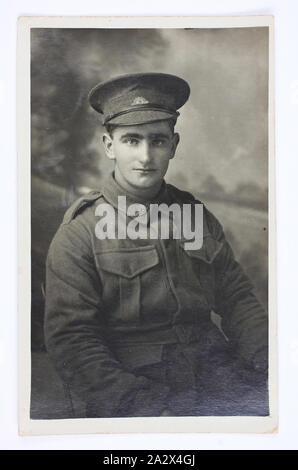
128 322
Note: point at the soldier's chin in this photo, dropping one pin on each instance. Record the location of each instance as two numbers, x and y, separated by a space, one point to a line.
147 182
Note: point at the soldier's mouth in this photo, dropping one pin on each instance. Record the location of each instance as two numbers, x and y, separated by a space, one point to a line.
144 170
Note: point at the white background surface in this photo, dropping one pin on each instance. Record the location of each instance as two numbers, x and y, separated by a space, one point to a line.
286 83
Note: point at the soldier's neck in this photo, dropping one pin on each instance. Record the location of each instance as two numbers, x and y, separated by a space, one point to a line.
146 194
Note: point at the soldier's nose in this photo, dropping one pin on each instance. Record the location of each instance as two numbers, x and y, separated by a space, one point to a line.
145 153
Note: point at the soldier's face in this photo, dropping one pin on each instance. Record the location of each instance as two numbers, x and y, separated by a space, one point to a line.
142 154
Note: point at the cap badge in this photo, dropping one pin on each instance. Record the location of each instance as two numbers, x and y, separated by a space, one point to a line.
139 100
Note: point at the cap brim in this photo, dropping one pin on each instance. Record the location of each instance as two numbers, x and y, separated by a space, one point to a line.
133 118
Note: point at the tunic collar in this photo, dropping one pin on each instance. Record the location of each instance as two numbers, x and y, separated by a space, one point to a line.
112 190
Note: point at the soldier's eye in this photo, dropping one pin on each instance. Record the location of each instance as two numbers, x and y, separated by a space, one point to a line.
131 141
158 142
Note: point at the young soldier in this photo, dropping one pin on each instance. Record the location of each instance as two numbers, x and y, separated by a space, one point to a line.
128 321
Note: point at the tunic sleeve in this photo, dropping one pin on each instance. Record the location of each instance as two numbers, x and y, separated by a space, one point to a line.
244 320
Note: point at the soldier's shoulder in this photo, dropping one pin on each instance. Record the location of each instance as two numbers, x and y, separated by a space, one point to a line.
180 195
74 230
80 205
213 224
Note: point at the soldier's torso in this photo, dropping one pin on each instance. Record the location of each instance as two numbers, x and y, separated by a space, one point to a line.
153 291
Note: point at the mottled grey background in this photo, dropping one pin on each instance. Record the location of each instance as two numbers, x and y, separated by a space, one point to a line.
222 156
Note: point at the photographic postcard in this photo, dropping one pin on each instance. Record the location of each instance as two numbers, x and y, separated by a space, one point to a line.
147 252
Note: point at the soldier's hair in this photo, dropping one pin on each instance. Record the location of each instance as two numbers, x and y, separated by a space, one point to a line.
111 127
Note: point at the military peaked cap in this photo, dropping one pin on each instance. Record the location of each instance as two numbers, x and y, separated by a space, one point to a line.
139 98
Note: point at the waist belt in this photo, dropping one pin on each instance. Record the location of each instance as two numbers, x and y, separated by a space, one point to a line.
180 333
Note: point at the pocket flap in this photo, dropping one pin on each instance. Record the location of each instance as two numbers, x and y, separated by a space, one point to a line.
207 252
128 262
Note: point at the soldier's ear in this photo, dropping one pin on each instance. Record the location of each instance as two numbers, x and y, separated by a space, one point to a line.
108 146
175 142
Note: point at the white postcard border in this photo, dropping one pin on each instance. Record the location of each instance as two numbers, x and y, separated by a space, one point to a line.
204 424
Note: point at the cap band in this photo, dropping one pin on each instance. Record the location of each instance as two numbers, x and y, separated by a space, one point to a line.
141 107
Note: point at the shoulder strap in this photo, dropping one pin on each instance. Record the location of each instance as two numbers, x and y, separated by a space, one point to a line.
79 205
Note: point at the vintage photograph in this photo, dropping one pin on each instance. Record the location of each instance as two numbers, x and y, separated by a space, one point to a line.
149 192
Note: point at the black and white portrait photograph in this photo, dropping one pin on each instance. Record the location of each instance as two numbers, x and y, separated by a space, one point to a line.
151 225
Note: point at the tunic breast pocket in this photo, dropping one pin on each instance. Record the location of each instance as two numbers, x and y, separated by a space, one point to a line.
121 271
